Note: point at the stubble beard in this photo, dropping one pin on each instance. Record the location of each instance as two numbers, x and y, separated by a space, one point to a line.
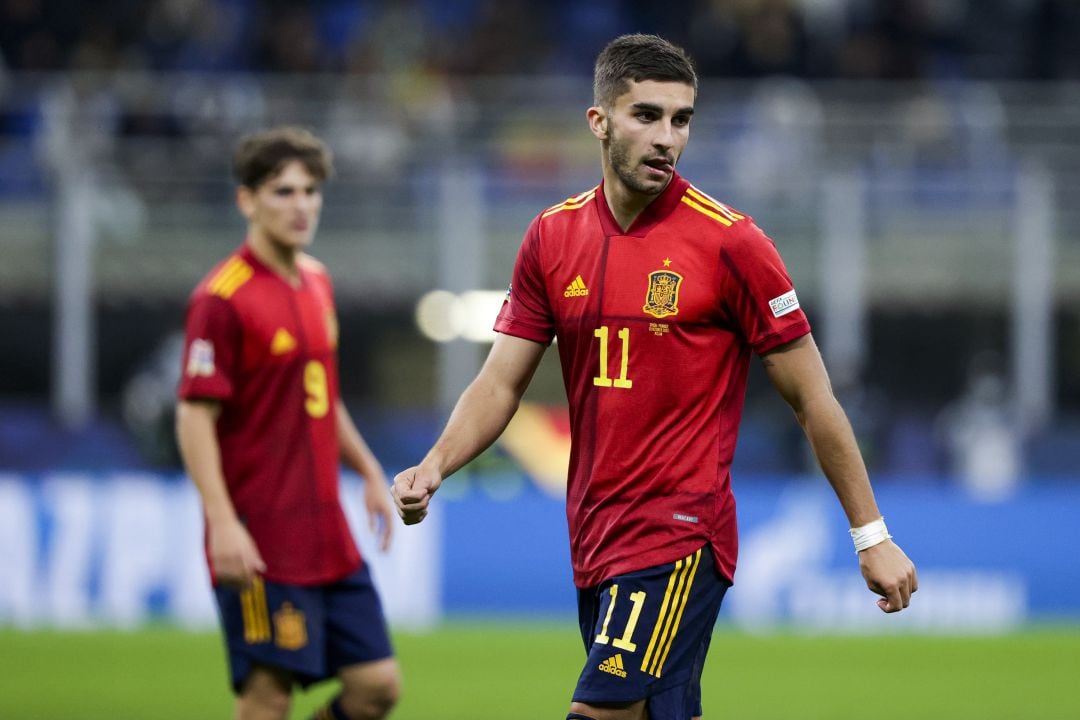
619 157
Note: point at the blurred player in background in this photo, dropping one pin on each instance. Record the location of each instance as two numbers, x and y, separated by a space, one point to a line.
261 431
658 295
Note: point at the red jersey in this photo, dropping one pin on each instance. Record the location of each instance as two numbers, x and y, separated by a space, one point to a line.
655 328
268 352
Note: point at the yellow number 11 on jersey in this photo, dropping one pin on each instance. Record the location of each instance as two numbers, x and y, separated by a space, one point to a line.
603 380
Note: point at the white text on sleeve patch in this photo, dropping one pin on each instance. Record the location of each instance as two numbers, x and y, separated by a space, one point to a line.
784 304
200 358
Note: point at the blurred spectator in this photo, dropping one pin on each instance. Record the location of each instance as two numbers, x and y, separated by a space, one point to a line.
149 402
778 151
32 38
749 38
1052 49
883 39
980 435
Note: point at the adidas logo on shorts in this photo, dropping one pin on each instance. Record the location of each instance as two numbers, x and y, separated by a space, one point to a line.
613 665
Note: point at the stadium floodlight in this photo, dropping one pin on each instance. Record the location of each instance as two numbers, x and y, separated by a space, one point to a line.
437 315
443 316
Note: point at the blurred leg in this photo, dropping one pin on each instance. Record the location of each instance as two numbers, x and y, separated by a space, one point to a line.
370 690
634 711
266 695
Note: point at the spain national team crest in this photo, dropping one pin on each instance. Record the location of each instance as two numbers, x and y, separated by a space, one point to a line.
662 297
290 628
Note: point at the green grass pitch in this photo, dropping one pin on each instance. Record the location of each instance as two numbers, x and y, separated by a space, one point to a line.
476 671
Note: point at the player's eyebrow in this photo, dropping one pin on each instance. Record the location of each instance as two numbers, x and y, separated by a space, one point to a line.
652 107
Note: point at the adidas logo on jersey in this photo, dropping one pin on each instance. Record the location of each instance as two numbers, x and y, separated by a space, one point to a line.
576 288
613 665
282 343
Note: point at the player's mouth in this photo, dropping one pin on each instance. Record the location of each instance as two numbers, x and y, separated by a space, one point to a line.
659 167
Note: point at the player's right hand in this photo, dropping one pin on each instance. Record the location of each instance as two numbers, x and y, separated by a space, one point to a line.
412 492
233 555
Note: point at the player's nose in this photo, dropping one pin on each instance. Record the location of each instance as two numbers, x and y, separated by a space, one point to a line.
665 136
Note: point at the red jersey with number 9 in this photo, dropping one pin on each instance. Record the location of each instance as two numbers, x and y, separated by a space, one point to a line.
655 327
268 352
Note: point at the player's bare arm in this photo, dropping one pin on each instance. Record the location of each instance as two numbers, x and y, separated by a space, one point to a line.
798 373
233 553
356 454
481 414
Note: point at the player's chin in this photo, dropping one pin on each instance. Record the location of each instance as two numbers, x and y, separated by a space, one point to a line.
296 239
653 183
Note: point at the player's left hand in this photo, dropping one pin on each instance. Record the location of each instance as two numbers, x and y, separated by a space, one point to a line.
889 573
380 514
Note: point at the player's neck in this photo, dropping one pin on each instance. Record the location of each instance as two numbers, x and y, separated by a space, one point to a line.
281 259
625 204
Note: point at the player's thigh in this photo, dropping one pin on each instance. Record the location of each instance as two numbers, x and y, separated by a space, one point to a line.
356 631
647 634
633 711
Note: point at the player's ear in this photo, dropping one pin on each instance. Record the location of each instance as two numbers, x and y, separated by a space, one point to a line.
598 122
245 201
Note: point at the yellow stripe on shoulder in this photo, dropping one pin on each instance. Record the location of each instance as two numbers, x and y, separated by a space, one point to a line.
230 278
572 203
714 204
706 211
228 268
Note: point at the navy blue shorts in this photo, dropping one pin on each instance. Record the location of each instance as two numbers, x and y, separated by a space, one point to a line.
647 633
310 632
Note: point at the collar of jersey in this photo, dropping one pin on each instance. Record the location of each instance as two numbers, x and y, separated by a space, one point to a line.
653 214
260 267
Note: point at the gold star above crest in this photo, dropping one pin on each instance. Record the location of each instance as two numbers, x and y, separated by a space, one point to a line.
667 262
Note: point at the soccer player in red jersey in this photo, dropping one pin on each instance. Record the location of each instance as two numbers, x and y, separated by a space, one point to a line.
262 431
658 294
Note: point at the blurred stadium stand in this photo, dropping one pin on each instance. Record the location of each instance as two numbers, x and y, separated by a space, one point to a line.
942 130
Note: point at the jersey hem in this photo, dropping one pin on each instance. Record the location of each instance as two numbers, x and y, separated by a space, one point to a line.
309 582
585 579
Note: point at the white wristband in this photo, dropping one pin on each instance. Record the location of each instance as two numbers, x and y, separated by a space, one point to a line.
870 534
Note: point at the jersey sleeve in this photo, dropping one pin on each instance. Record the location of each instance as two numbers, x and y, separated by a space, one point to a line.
211 350
526 312
759 294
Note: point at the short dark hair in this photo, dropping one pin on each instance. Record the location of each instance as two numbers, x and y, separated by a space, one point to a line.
639 57
261 156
